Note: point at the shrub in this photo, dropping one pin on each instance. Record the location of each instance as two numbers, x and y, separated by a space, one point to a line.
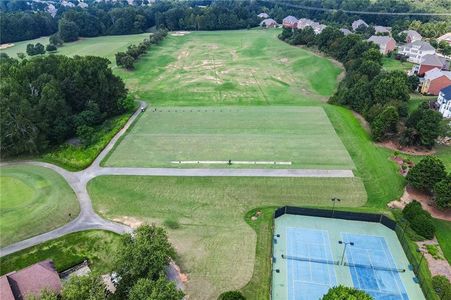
346 293
411 210
422 224
442 286
426 173
231 295
50 48
442 193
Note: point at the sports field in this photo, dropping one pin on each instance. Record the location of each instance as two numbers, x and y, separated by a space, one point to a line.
216 246
246 67
33 200
303 136
105 46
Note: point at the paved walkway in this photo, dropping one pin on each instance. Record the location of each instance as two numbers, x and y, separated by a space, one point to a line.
88 219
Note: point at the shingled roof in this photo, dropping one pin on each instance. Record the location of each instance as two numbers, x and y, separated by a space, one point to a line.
435 60
30 281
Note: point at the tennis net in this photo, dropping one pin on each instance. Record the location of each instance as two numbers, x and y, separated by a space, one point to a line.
311 259
374 267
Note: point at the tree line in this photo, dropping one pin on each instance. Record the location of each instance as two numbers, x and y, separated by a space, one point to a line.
127 59
49 99
380 96
20 21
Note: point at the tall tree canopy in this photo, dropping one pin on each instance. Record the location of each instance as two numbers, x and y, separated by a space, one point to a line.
45 99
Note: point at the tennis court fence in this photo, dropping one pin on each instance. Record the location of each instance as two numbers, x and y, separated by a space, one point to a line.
417 264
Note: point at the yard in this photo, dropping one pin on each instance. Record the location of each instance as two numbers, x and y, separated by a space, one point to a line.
391 64
96 246
301 135
216 246
34 200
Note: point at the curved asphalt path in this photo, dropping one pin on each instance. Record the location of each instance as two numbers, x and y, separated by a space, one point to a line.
88 219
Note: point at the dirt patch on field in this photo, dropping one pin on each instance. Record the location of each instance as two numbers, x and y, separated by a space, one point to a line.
436 266
180 33
129 221
284 60
426 201
183 54
6 46
406 150
234 54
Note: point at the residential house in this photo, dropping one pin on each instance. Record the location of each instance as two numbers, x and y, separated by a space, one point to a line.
263 15
446 37
431 61
303 23
415 51
356 24
382 30
29 282
345 31
290 22
434 81
386 44
318 28
268 23
444 102
412 36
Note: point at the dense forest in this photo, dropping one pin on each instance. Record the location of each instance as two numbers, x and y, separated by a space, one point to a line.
380 96
21 21
48 99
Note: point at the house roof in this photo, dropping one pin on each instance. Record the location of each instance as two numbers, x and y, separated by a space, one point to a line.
31 280
345 31
446 92
263 15
380 40
382 29
413 34
445 37
420 45
358 23
434 60
436 73
268 22
290 19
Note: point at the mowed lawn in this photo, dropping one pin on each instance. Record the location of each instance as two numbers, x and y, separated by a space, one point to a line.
104 46
215 244
247 67
301 135
33 200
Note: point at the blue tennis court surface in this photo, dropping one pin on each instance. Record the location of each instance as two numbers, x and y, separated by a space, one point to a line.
370 263
308 279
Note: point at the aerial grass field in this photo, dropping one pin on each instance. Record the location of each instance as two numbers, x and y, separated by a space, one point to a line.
247 67
105 46
301 135
391 64
215 244
95 246
33 200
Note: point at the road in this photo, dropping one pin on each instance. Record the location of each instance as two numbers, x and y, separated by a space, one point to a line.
88 219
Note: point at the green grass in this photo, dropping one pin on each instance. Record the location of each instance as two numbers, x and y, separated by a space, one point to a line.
417 99
96 246
379 174
302 135
391 64
215 244
443 234
105 46
33 200
77 158
245 67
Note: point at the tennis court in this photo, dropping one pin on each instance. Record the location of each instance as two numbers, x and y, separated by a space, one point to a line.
313 254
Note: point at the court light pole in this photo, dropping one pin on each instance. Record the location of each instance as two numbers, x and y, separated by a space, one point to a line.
334 200
344 249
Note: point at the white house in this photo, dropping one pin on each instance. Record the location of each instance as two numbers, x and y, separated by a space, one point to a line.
446 37
263 15
416 51
412 36
345 31
444 100
382 30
